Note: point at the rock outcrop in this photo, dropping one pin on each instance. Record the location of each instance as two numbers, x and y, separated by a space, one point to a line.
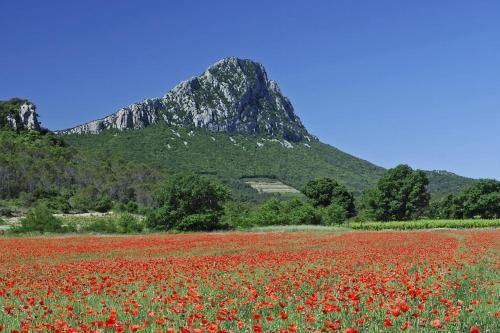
19 114
233 95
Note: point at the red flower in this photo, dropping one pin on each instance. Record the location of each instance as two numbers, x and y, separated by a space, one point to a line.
257 328
405 326
387 322
474 329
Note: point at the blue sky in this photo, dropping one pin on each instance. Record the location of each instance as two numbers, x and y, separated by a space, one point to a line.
389 81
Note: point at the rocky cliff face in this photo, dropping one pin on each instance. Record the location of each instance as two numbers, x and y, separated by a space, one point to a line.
233 95
19 114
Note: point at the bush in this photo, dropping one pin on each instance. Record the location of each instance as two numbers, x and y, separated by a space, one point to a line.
89 199
103 204
235 215
298 212
6 211
129 207
101 225
200 222
128 223
39 219
275 212
334 214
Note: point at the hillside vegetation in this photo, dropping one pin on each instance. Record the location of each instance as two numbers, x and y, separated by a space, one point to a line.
232 158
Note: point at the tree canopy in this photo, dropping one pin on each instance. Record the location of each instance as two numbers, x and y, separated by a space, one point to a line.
188 202
323 192
401 194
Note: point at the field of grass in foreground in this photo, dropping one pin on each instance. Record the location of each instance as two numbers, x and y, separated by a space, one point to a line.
253 282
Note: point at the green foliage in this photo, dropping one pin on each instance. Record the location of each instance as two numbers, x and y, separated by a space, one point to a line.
35 167
235 215
39 219
129 207
108 223
89 199
442 183
128 223
447 207
482 199
290 212
200 222
184 195
425 224
10 108
401 194
226 160
333 214
324 192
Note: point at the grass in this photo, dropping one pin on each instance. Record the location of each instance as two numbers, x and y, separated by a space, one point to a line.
424 224
292 228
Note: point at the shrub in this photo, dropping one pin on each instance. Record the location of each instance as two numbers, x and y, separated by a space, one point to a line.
333 214
235 215
39 219
6 211
89 198
101 225
128 223
275 212
298 212
102 204
200 222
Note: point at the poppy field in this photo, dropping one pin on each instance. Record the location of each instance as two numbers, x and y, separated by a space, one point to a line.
427 281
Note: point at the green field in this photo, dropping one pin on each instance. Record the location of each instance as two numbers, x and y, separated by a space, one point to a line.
425 224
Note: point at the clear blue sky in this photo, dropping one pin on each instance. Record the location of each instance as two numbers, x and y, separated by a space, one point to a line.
389 81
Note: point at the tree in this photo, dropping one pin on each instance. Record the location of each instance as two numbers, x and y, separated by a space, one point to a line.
39 219
184 195
324 192
481 199
445 208
401 194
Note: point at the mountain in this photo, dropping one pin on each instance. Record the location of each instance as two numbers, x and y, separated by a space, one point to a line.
233 96
233 123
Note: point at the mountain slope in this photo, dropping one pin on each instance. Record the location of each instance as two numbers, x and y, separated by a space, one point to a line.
231 158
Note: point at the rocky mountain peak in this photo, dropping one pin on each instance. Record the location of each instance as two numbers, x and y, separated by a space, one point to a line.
233 95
